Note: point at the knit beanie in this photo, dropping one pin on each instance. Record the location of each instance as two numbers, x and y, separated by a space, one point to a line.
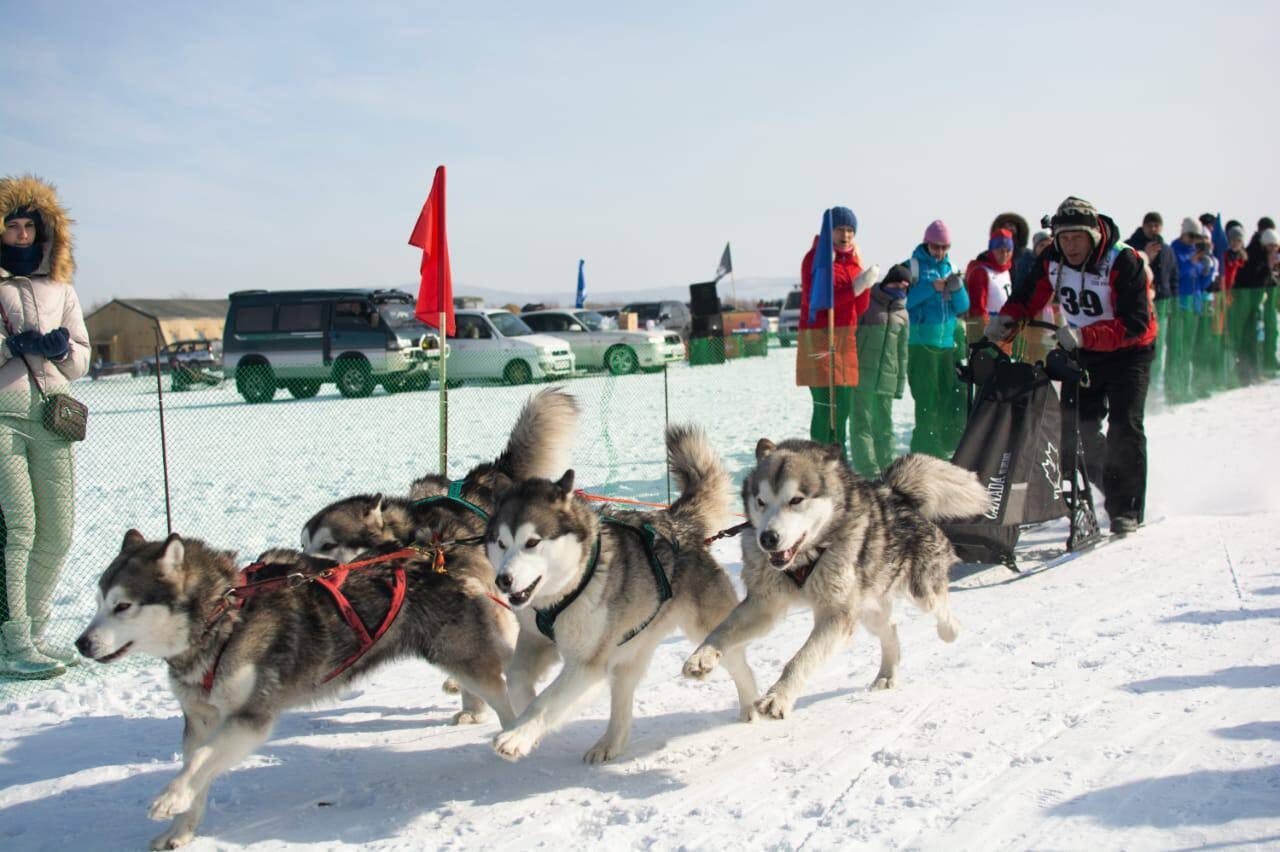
938 232
1235 232
1039 237
1076 214
1192 227
842 217
1001 239
1269 237
898 275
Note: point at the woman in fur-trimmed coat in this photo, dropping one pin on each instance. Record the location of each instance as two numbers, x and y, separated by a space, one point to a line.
41 322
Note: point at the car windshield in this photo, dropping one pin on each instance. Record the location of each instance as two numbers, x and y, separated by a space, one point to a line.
399 315
645 310
793 301
509 325
595 321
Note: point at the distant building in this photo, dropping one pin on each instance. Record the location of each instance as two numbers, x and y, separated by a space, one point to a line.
124 330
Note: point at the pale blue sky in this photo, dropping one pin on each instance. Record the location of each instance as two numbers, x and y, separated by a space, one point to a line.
210 147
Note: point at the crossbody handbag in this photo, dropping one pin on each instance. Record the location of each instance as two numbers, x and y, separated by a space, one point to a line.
64 415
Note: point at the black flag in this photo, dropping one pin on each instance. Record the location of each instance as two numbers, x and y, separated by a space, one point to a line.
726 264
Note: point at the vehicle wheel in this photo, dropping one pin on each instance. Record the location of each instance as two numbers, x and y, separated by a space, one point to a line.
453 383
518 373
303 390
256 382
395 384
419 381
354 377
621 360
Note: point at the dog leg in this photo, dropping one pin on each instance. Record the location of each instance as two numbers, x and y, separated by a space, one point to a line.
237 738
715 604
948 629
532 657
474 709
830 630
547 710
879 620
198 724
450 687
484 688
754 617
623 682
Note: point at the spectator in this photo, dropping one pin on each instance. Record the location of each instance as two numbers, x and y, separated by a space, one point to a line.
936 298
814 364
1233 261
1164 270
43 324
883 332
1102 286
988 279
1196 270
1022 256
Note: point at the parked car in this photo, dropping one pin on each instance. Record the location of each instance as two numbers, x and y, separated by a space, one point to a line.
667 313
495 344
301 339
596 346
789 319
194 354
770 314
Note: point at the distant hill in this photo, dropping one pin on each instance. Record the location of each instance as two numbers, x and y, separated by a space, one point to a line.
745 289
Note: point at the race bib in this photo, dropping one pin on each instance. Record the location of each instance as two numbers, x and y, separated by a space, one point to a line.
1085 297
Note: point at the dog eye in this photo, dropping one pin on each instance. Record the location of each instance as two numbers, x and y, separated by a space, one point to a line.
796 500
121 607
759 503
532 543
498 542
328 547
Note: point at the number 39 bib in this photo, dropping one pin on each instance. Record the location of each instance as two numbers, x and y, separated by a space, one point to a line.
1085 297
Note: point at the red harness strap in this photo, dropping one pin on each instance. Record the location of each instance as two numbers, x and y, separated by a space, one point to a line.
333 580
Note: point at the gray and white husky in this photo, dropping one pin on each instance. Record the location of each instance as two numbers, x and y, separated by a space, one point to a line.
540 444
235 669
845 547
608 591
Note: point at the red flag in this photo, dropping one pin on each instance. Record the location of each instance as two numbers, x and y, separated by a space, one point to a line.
435 294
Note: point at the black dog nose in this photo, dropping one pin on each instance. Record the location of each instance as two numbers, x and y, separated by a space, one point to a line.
504 582
82 645
769 540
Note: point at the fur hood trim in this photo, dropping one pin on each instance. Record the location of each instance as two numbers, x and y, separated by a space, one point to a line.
31 191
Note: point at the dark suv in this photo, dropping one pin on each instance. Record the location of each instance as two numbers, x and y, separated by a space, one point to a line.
667 313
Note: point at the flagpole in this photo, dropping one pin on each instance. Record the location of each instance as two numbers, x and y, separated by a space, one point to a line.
444 401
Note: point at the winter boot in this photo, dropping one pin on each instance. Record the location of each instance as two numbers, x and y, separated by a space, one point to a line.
1124 525
21 659
66 655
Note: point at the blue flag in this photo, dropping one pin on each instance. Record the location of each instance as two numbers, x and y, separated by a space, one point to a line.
582 288
822 290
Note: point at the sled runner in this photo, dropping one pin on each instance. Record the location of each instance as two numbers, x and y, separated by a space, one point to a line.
1015 441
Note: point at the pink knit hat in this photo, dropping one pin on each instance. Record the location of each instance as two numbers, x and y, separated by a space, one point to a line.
938 232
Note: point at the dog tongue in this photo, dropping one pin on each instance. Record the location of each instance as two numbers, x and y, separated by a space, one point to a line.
779 558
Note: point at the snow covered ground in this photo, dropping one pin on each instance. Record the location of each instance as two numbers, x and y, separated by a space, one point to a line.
1127 699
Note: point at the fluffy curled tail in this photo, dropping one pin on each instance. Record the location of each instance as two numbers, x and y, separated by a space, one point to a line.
541 441
940 490
701 477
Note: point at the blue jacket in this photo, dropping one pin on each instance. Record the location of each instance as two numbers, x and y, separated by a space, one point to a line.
933 314
1193 278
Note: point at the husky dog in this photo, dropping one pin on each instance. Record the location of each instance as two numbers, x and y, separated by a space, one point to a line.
539 445
235 669
830 540
608 590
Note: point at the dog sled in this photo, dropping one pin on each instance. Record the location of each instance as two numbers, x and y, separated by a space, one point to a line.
1015 441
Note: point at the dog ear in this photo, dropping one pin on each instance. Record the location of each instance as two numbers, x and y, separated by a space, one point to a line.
170 562
374 515
831 452
565 483
763 447
132 539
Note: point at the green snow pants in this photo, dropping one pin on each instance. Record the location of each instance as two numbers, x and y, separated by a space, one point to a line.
1163 309
1183 322
37 497
1206 369
1270 366
871 435
939 400
820 422
1246 312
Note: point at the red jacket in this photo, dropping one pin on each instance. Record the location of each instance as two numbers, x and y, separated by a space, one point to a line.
848 307
813 361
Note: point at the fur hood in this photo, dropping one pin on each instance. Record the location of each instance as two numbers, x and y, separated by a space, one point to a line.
34 192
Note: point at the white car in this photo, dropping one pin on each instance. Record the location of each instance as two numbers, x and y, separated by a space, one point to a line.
789 319
496 344
597 345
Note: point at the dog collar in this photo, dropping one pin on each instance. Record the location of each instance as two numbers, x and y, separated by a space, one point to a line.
800 573
454 496
546 618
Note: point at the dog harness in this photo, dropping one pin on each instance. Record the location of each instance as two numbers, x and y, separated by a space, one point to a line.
800 573
250 582
454 496
546 618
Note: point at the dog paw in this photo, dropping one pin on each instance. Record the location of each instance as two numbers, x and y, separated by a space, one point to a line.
884 682
774 705
469 717
603 751
176 799
515 744
701 662
949 631
178 835
748 713
451 686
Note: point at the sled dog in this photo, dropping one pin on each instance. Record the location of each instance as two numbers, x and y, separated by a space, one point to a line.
540 445
608 589
845 547
234 669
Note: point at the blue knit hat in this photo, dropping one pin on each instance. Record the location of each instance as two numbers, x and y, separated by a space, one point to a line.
842 217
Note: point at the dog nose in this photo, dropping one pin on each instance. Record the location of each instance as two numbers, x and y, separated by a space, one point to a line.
769 540
504 582
82 645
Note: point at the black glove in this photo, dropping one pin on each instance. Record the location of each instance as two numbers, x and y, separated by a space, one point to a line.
24 343
56 344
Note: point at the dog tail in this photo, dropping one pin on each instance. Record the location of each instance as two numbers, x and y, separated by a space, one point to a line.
701 478
940 490
541 442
